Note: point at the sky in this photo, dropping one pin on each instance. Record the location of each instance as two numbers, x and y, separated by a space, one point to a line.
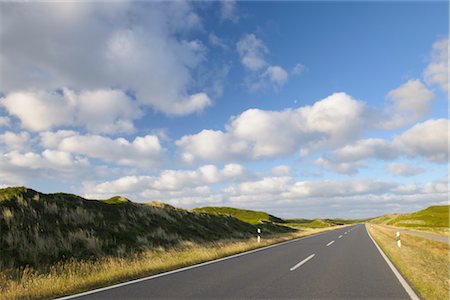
300 109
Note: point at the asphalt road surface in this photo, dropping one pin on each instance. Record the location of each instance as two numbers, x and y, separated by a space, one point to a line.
339 264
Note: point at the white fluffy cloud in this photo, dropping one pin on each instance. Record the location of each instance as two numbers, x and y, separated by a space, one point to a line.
143 152
15 141
281 170
408 103
252 52
98 111
405 170
437 71
276 74
125 46
15 166
427 140
170 184
256 133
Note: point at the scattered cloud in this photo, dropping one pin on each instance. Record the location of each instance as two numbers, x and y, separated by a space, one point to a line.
281 170
298 69
142 152
257 134
15 166
252 51
169 183
148 50
15 141
427 140
217 41
277 75
437 70
409 103
404 170
228 11
108 111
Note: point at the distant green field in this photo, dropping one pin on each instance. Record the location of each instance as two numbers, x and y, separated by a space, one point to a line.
433 219
321 223
433 216
248 216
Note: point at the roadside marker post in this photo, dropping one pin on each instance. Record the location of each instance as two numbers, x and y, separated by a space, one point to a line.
399 243
259 235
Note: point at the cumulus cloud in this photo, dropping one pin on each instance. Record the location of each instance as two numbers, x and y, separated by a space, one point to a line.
15 165
348 168
408 103
15 141
252 51
427 140
276 74
281 170
144 43
257 134
404 170
228 11
437 70
106 111
170 184
143 151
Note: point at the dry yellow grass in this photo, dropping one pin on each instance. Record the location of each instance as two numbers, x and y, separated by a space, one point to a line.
77 276
423 262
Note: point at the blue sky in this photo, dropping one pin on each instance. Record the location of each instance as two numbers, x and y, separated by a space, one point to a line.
302 109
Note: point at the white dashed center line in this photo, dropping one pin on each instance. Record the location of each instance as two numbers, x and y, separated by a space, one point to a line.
330 243
302 262
340 236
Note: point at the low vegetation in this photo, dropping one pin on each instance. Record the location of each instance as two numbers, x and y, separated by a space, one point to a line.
249 216
434 219
320 223
38 230
423 262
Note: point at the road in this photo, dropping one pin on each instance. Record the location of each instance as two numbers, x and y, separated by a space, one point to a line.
338 264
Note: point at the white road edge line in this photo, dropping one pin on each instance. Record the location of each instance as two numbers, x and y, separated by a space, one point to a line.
330 243
302 262
397 274
340 236
187 268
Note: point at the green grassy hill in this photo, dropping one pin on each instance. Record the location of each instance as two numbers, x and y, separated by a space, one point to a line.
249 216
40 229
433 216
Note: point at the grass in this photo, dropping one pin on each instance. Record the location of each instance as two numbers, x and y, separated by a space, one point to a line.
248 216
423 262
39 229
434 219
75 276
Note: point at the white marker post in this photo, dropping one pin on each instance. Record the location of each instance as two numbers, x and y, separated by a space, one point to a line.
399 243
259 235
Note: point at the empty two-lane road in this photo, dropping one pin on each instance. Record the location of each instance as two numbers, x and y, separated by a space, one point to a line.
339 264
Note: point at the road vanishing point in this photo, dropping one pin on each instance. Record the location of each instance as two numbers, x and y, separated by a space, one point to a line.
343 263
